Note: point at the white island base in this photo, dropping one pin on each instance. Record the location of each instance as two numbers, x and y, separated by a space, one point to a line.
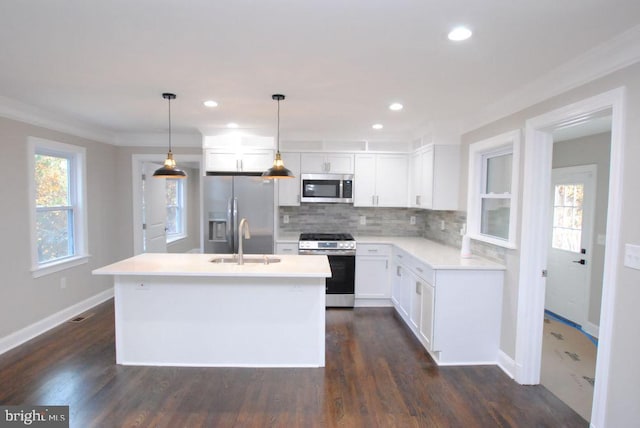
242 319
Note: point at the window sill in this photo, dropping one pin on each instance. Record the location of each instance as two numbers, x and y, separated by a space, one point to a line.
494 241
176 238
50 268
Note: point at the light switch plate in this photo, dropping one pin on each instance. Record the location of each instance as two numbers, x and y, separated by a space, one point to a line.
363 220
632 256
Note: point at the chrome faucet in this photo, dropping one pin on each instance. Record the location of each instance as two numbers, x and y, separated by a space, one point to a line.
244 225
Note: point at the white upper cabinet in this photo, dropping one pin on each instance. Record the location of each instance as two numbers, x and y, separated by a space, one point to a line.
289 188
217 160
238 153
326 163
380 180
435 174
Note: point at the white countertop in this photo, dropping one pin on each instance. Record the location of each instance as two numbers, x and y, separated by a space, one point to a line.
290 266
436 255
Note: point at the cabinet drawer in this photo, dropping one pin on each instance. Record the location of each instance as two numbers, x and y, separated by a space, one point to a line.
286 248
420 269
373 250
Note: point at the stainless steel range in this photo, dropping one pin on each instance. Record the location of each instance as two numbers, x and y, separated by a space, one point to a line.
340 248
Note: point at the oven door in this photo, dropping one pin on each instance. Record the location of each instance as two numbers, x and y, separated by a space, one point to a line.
340 288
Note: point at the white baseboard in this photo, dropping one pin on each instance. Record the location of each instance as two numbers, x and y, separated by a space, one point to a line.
373 303
592 329
27 333
507 364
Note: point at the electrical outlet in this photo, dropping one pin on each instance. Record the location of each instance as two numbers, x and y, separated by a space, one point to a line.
442 225
63 282
285 219
412 219
363 220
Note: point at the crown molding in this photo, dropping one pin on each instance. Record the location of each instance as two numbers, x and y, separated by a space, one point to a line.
22 112
613 55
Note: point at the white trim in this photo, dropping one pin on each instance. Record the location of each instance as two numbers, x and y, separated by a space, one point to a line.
506 142
591 329
534 242
507 364
42 326
59 265
606 58
137 161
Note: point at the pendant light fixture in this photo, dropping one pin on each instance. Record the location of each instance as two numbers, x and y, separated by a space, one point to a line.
169 169
278 169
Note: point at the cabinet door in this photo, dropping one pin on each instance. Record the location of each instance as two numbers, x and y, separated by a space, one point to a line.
416 304
220 162
391 181
289 188
427 316
365 181
416 180
256 161
372 277
339 163
426 182
313 163
396 284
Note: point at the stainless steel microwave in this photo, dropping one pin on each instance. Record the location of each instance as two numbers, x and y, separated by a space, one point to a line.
334 188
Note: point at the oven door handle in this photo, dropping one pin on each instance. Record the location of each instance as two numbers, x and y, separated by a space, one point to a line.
326 253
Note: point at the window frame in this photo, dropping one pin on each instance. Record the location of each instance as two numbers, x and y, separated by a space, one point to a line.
78 198
182 211
479 153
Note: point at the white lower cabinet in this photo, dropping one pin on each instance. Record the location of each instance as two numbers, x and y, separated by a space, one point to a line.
290 248
372 272
454 313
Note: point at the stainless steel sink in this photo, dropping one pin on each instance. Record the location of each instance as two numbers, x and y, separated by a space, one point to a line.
262 259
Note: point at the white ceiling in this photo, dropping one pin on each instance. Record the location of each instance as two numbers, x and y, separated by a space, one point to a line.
340 63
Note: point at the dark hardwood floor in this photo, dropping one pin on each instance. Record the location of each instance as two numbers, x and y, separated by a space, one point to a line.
376 375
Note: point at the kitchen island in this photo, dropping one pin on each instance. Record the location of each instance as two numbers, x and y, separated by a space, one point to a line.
185 310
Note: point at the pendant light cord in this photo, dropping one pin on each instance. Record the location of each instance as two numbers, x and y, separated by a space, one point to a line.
169 99
278 130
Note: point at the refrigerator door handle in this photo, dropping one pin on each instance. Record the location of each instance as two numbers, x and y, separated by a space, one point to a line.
234 223
230 224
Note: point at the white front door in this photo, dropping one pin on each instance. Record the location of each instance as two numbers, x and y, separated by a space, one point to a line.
154 211
569 262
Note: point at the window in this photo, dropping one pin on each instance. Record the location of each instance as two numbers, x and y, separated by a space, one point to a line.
176 216
567 217
58 214
493 186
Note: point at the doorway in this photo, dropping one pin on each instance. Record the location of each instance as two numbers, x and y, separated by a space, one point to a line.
578 200
191 241
535 237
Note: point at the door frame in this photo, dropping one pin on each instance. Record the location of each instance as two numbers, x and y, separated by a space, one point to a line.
589 215
137 161
535 239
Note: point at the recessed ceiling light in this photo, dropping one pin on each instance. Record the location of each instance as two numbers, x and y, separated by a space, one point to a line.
232 125
210 103
459 34
377 126
396 106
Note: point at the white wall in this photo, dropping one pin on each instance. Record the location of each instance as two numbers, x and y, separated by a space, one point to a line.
624 372
23 299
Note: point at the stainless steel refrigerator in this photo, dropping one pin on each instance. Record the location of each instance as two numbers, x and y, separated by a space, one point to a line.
228 199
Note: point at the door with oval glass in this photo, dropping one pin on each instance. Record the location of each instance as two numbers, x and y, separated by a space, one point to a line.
569 262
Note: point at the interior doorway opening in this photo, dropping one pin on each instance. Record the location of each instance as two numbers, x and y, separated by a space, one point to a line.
535 237
578 200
